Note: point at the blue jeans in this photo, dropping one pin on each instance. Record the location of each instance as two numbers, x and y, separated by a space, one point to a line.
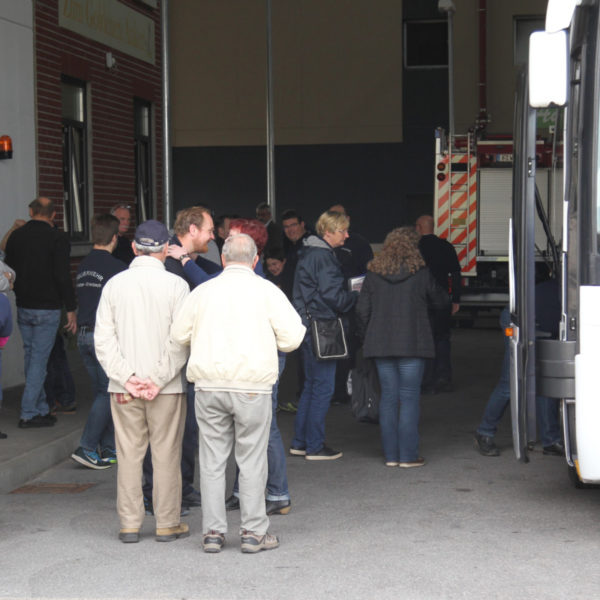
546 408
319 383
38 330
98 432
399 410
277 484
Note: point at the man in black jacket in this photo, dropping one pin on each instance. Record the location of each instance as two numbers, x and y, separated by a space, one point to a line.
440 257
39 254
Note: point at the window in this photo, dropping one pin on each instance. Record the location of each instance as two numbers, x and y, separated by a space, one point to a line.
143 160
75 185
425 44
523 28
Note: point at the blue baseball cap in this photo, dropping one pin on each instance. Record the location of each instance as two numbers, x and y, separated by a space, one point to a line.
151 233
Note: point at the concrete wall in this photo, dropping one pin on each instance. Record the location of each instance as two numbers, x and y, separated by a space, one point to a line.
337 72
18 176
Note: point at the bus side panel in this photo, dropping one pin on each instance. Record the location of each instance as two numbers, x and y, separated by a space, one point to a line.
587 401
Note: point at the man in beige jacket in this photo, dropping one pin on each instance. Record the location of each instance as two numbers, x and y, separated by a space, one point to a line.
147 390
235 323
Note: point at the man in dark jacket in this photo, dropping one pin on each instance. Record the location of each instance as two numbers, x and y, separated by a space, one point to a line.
39 254
440 257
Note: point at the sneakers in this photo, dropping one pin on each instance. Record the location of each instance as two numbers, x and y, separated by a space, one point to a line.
252 542
325 453
278 507
297 451
170 534
213 541
109 455
287 407
129 536
412 464
89 459
391 463
37 421
485 445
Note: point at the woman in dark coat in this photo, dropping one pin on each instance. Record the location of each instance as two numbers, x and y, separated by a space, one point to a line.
319 291
392 319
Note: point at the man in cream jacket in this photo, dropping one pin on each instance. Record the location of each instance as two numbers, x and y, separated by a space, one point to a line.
235 324
143 364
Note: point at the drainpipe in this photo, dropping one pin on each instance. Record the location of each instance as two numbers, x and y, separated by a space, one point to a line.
483 119
166 106
448 7
270 130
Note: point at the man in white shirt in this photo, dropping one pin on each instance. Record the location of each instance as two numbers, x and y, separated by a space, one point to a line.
235 323
143 364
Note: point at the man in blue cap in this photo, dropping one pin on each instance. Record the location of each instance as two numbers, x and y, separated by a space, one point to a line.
147 391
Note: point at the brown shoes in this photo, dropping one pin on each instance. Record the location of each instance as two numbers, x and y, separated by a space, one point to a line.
170 534
129 536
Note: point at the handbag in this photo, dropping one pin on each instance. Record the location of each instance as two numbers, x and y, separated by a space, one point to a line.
328 338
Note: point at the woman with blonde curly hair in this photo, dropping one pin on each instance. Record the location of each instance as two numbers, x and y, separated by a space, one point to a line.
392 319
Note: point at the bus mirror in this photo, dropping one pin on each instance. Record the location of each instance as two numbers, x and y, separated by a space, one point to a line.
548 69
560 13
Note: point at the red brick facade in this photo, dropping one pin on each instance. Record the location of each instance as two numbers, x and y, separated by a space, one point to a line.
111 93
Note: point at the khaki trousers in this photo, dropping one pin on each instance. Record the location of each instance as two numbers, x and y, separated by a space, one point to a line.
159 423
225 417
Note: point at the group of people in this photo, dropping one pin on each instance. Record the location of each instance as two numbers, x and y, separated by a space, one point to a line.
185 350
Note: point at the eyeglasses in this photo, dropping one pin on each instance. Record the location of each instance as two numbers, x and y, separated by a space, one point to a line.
342 230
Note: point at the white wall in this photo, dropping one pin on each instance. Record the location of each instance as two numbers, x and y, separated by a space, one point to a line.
18 176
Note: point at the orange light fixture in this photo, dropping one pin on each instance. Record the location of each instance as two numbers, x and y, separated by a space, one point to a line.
6 149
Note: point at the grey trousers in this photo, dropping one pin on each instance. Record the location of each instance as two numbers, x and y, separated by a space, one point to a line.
225 418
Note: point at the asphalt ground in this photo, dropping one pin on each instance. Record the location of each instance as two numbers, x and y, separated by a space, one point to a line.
463 526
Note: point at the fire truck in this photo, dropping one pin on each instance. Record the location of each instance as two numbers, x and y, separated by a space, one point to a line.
473 204
564 72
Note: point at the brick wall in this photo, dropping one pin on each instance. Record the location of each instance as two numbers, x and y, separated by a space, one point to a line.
111 96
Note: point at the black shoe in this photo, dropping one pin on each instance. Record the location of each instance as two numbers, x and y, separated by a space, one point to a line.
48 418
232 503
193 499
149 508
556 449
37 421
325 453
485 445
3 436
279 507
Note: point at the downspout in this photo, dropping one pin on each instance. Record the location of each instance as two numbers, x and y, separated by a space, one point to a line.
483 118
166 106
270 129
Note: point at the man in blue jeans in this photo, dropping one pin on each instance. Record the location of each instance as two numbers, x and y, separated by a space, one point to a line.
97 445
39 254
547 312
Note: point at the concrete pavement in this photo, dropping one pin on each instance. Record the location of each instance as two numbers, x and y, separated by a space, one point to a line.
463 526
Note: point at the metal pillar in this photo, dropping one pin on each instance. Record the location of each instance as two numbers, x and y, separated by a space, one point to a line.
270 132
166 106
